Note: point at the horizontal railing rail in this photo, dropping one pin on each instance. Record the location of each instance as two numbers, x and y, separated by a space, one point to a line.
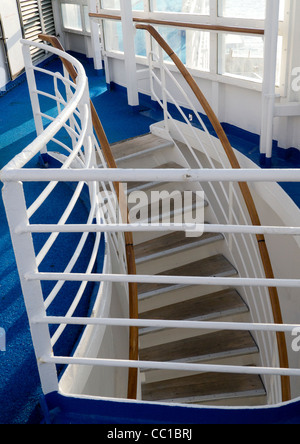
180 24
164 227
11 174
176 280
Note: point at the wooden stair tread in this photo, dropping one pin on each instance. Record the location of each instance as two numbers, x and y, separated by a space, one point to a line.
222 303
203 347
204 387
172 242
138 145
159 211
216 265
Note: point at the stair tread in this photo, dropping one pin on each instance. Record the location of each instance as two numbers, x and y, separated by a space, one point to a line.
206 307
216 265
166 208
170 243
203 347
137 145
205 386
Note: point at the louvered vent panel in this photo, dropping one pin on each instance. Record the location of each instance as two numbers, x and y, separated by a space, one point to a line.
37 17
48 19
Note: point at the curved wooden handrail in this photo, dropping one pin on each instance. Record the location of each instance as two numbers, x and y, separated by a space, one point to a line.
264 253
130 256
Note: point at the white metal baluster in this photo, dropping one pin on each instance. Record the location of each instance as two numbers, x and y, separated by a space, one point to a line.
34 98
15 205
163 88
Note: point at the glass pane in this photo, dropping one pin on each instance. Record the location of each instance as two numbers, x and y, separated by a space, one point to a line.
71 16
87 22
140 43
247 9
185 6
113 36
192 47
242 8
137 5
198 50
110 4
242 56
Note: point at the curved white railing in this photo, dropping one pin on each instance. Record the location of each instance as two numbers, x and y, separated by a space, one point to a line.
79 154
67 129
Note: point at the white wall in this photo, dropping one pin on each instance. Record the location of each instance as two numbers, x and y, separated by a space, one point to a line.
12 31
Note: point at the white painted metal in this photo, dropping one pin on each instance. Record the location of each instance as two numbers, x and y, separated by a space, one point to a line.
95 37
105 210
207 228
198 325
247 370
12 172
32 292
170 280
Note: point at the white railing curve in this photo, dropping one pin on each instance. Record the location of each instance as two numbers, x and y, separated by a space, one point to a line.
79 157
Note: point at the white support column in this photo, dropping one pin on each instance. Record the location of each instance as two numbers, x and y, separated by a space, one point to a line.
268 92
129 50
14 201
95 37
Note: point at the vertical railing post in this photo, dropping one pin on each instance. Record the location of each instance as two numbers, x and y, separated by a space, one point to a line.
14 201
163 87
269 83
33 94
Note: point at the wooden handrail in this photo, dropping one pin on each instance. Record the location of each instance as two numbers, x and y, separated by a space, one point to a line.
199 26
255 219
130 256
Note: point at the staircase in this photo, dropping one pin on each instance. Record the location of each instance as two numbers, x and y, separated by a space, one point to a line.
176 254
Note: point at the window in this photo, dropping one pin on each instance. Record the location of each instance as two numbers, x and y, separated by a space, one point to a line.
87 22
242 9
110 4
242 56
191 46
71 15
137 5
235 55
183 6
113 36
246 9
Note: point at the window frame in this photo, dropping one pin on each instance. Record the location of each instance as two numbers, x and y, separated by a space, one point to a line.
215 58
81 3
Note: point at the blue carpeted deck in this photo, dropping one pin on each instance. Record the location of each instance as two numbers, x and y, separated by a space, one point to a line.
19 382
